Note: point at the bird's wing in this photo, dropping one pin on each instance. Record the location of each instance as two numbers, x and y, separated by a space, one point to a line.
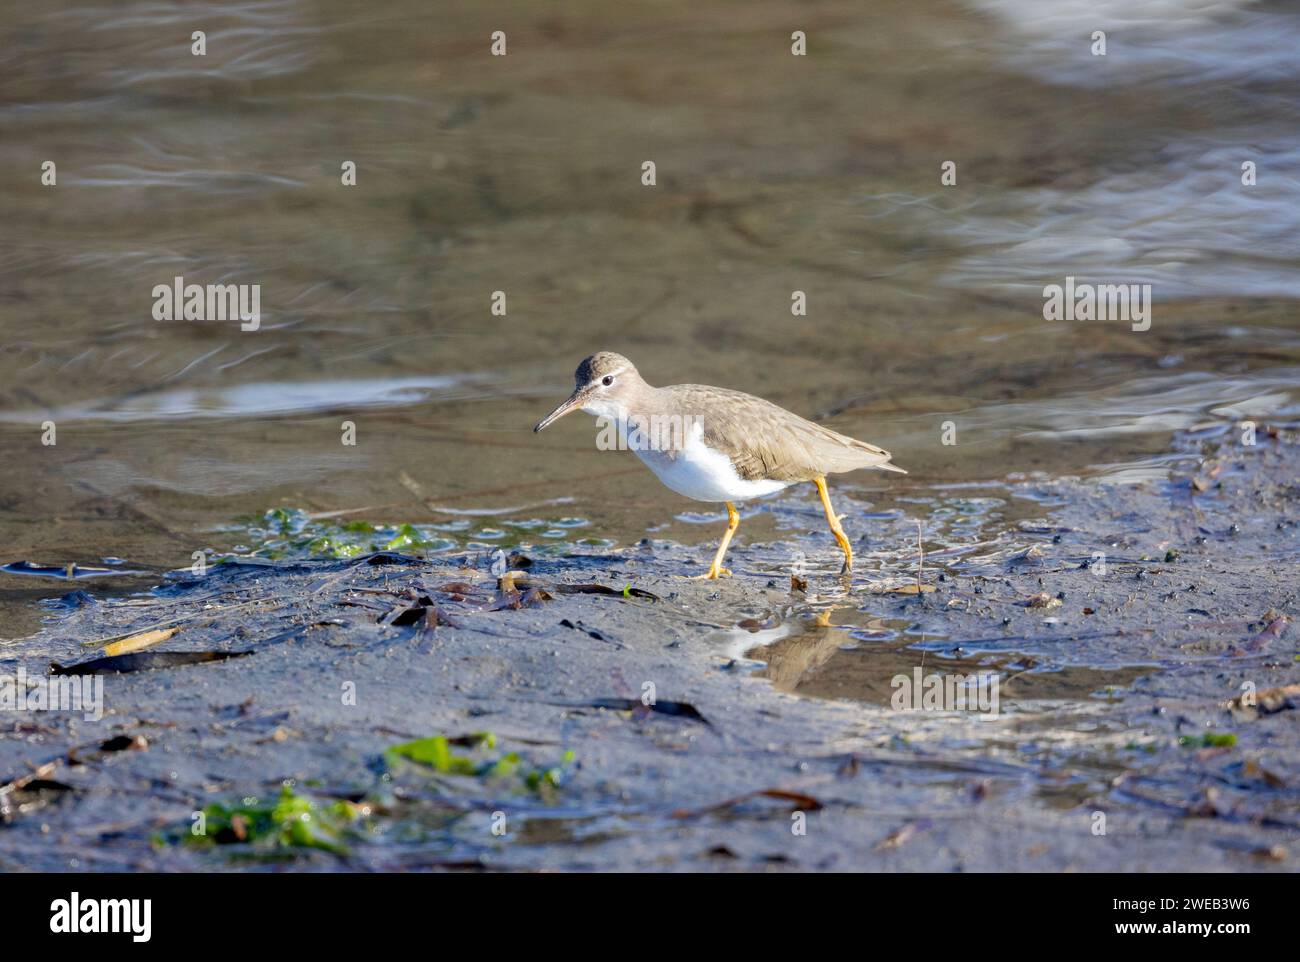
838 452
767 441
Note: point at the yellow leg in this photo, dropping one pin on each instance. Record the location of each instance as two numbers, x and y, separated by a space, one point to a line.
833 520
716 570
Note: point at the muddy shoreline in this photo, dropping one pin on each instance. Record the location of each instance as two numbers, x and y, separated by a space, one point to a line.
774 741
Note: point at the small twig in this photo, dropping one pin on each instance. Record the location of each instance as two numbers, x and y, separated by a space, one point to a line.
920 564
372 509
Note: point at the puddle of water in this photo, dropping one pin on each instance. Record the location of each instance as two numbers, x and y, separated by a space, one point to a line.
861 659
576 831
1049 714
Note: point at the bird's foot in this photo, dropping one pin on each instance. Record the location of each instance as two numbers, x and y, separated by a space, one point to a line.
847 568
713 574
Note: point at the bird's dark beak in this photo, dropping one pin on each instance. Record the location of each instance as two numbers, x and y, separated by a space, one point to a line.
575 401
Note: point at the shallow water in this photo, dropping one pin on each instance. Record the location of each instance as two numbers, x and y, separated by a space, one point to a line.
854 658
522 174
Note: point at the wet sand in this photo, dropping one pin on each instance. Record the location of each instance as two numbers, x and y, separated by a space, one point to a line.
1113 677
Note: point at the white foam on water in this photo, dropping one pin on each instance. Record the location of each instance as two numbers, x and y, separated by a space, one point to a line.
265 398
1166 41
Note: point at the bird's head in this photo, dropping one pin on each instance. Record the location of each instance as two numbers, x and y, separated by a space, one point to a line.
603 385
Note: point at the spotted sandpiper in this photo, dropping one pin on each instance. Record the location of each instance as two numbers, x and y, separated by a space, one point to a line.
712 444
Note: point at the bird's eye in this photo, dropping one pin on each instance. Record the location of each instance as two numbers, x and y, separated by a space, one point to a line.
607 380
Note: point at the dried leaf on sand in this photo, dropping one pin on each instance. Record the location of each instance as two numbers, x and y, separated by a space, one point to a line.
145 639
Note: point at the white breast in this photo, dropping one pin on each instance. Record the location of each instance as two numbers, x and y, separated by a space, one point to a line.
704 474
